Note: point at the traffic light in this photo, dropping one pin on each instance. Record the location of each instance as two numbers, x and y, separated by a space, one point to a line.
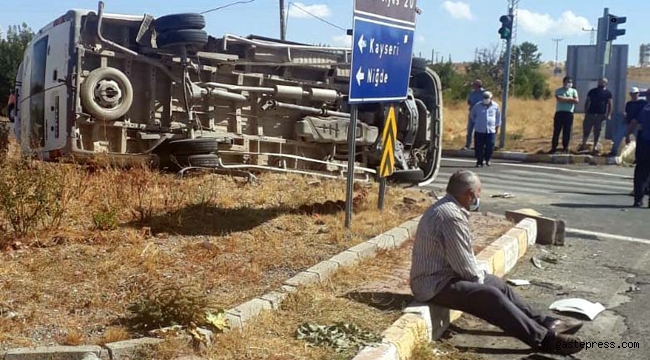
506 26
613 22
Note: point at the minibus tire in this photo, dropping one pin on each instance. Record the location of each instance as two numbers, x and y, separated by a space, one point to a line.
87 94
179 22
182 38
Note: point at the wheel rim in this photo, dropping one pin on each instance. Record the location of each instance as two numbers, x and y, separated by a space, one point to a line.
108 93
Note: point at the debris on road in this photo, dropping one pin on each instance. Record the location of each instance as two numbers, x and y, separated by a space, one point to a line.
577 305
505 195
633 288
518 282
537 263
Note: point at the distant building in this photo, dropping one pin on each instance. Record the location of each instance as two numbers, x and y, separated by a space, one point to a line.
644 55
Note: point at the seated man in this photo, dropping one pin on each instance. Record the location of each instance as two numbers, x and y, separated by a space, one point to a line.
444 272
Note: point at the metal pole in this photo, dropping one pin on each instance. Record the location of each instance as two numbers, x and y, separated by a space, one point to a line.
557 49
352 136
283 24
506 83
603 39
382 193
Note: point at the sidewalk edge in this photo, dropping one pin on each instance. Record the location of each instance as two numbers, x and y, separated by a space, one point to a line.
427 322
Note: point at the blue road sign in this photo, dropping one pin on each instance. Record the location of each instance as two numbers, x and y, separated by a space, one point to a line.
381 61
382 50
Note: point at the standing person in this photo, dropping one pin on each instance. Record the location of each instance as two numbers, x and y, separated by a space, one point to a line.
486 119
566 100
632 110
473 98
642 168
11 105
598 109
445 272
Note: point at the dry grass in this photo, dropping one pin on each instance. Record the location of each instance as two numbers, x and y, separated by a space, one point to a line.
639 74
370 295
529 124
441 351
232 239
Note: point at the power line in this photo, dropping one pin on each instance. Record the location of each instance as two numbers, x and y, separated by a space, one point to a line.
316 16
228 5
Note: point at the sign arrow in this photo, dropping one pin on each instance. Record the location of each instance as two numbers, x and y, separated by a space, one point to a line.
362 44
360 76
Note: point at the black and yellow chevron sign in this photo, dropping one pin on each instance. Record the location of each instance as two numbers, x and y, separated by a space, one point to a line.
388 139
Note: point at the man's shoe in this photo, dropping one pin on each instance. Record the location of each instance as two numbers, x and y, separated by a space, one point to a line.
561 344
488 163
564 326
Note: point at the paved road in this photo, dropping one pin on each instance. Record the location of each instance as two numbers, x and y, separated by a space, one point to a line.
598 271
595 198
587 197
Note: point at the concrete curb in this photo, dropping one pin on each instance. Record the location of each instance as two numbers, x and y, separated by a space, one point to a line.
428 322
243 313
240 314
121 350
541 158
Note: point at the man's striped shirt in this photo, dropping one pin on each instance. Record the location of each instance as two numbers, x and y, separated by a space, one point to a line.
442 250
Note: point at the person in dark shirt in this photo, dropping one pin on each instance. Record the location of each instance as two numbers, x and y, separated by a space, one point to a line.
598 109
632 110
642 169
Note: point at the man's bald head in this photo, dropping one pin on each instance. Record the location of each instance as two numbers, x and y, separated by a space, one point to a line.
465 187
462 181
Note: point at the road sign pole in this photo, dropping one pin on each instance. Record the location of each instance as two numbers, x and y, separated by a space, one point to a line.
382 55
382 193
352 145
506 83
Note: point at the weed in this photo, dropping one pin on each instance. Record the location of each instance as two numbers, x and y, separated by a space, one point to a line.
114 334
166 304
71 338
105 220
4 141
33 196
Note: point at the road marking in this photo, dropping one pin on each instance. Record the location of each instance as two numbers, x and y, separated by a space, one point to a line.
606 236
545 168
547 183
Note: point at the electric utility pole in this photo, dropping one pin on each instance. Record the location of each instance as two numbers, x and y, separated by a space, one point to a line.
557 49
591 36
283 24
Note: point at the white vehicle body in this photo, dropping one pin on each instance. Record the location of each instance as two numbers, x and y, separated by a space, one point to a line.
92 83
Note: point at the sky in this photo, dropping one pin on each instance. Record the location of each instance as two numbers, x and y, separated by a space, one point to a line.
448 27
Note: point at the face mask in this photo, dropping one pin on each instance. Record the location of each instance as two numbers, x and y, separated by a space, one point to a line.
487 101
476 203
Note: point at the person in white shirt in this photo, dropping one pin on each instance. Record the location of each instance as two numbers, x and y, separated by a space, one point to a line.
486 118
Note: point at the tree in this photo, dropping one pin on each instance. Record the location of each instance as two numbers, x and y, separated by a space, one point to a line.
452 82
488 66
527 54
12 48
530 81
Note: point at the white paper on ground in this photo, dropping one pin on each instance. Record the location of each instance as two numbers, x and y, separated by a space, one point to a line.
581 306
518 282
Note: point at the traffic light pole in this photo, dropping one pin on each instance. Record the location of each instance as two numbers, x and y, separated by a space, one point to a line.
606 44
506 83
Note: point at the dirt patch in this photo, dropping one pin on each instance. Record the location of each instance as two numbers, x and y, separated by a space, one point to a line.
71 281
370 295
